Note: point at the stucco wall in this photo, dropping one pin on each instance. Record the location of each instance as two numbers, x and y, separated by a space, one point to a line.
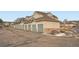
52 25
47 26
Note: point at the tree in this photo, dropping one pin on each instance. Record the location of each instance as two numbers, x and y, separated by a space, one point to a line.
1 21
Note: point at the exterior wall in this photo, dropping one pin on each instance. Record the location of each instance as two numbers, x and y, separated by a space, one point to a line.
27 27
19 26
51 26
67 27
47 26
37 25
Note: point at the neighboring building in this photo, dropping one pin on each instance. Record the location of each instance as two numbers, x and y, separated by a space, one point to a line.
75 22
40 22
68 25
7 24
75 29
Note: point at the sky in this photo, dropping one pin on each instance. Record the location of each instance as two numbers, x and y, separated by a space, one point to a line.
13 15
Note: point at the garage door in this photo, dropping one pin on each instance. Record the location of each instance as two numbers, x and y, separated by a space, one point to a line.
18 27
29 27
25 27
22 27
34 28
40 27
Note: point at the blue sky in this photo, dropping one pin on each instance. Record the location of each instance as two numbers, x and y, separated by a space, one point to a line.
12 15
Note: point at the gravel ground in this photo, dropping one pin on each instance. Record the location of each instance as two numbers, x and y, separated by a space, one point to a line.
19 38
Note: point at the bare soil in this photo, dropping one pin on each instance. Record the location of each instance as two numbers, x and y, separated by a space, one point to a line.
18 38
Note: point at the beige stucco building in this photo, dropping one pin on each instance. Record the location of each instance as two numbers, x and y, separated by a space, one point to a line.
40 22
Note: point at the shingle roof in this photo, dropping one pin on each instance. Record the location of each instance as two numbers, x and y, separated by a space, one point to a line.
39 12
46 19
53 18
45 14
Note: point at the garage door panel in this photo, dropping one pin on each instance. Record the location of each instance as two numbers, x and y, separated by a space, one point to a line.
25 27
34 28
29 27
40 27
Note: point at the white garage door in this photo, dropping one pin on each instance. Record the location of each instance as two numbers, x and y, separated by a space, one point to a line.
34 28
29 27
40 27
25 27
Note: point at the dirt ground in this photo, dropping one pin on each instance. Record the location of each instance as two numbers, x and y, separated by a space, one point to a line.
19 38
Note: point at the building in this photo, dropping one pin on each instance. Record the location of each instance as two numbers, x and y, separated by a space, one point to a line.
8 24
40 22
68 25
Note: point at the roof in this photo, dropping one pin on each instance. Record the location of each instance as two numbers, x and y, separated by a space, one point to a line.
40 12
46 17
72 22
45 14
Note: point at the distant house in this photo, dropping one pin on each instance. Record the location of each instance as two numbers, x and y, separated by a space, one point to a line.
7 24
68 25
41 22
75 22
